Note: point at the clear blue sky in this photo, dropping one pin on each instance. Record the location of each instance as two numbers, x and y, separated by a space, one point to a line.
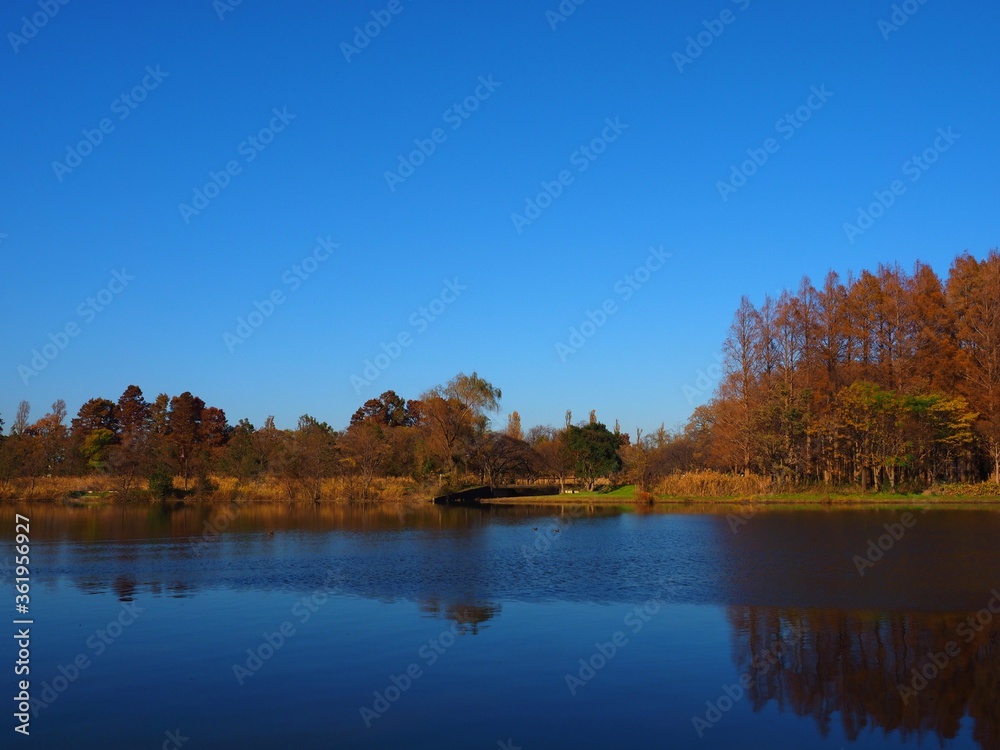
324 175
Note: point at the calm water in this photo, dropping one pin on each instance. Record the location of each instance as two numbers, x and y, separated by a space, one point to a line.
457 628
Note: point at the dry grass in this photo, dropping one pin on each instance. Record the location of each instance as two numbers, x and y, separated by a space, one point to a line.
59 488
331 489
984 489
716 484
99 488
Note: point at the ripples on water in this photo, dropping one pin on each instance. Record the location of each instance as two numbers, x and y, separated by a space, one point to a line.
526 603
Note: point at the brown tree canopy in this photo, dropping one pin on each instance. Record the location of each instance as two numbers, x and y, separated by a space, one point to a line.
885 378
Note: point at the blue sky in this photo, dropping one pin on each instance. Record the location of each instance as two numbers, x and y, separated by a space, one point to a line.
216 83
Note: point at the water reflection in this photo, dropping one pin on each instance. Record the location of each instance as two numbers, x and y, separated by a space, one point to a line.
916 673
124 587
842 645
164 520
469 617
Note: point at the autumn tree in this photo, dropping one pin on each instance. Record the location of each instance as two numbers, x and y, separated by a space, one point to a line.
20 425
159 415
184 421
552 455
455 414
94 430
499 458
514 426
743 366
364 452
309 456
52 435
638 462
974 291
388 410
133 411
21 455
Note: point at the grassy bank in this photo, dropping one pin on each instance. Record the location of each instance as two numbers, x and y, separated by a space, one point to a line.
105 490
951 496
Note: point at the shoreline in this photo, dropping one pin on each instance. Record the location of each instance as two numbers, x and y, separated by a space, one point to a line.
777 503
825 500
602 499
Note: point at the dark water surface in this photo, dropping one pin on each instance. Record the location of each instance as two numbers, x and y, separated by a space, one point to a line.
345 627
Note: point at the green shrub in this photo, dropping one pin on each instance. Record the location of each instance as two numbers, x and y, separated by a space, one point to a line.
161 483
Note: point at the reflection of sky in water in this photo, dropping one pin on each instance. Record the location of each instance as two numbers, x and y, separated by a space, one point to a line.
521 619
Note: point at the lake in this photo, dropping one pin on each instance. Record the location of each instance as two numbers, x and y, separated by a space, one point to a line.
340 626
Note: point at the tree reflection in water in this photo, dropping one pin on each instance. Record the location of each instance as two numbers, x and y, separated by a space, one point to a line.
469 616
855 663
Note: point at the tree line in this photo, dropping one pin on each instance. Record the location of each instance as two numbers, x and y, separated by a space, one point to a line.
887 380
882 380
444 437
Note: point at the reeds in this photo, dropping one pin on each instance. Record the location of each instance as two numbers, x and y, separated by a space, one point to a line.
708 483
270 489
